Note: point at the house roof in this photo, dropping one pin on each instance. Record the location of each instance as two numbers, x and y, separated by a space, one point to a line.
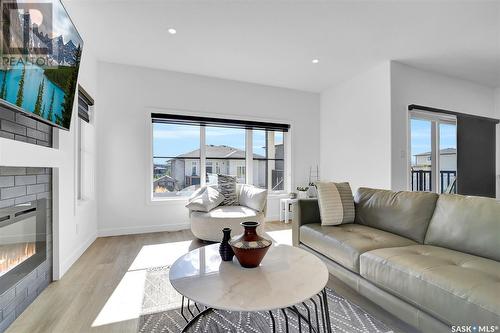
221 151
165 178
446 151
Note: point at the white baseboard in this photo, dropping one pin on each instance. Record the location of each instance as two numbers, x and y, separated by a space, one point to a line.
273 217
77 253
141 229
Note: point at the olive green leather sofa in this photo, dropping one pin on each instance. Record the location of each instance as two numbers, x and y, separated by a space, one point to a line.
431 260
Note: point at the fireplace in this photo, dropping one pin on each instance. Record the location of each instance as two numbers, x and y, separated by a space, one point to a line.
23 241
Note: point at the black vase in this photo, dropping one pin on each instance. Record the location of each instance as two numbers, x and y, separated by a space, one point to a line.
225 250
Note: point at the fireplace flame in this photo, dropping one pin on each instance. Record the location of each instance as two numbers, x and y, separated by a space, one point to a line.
12 255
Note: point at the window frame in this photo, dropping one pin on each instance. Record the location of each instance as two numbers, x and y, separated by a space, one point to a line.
248 158
85 154
436 120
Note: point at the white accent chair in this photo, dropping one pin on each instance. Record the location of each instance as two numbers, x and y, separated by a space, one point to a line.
208 226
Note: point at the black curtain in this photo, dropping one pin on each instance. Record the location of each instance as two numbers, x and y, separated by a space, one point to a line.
476 148
221 122
85 101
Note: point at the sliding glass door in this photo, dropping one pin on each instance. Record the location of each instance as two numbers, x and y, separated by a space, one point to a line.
433 152
447 156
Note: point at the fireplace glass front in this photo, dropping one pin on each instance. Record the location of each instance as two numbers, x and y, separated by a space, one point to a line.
23 241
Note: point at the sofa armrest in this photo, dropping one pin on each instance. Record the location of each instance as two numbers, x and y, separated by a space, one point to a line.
306 211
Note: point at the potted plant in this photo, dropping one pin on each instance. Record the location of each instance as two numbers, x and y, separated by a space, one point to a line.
302 191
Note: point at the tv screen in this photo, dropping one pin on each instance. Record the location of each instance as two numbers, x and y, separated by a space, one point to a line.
40 52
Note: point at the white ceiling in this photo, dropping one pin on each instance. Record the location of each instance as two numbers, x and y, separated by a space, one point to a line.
273 42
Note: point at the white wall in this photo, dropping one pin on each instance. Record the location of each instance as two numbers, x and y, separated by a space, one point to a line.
75 223
414 86
126 95
355 130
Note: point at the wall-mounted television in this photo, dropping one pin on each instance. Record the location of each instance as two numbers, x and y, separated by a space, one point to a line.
40 58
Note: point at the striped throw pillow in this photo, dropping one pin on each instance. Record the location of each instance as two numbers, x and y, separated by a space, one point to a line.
336 203
227 186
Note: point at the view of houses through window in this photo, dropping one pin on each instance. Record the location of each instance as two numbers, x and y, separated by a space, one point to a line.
268 159
433 135
176 159
225 148
178 152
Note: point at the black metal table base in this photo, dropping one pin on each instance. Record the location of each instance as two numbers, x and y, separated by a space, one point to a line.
311 311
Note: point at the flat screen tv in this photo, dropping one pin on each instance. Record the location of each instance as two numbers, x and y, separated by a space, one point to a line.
40 55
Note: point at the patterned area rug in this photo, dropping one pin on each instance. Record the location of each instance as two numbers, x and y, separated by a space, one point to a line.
161 313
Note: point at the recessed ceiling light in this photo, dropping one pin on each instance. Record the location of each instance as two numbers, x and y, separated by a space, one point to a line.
315 61
172 31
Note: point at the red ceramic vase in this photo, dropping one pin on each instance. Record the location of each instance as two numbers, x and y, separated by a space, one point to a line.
250 248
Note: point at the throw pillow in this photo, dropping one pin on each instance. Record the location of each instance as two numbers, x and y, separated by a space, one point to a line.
336 203
227 186
205 199
253 197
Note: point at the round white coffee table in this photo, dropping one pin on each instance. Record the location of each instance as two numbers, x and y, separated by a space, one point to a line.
286 277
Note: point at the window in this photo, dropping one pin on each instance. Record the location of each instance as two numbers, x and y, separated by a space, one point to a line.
193 168
85 147
269 159
225 146
176 155
210 167
433 152
240 172
183 146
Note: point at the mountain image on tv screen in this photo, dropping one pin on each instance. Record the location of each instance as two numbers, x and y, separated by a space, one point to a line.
40 53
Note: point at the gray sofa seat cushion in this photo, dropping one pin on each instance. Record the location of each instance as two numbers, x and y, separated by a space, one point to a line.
346 242
466 224
455 287
403 213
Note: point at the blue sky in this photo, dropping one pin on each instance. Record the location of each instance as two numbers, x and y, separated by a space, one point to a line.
173 140
421 136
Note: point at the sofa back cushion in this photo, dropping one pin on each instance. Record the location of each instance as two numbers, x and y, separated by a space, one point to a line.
405 214
227 186
466 224
336 204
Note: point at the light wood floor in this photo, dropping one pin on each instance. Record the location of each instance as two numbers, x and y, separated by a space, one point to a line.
102 292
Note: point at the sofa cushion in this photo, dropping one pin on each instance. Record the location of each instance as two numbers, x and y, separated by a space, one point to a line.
346 242
227 186
242 213
403 213
456 287
205 199
466 224
336 204
253 197
208 226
